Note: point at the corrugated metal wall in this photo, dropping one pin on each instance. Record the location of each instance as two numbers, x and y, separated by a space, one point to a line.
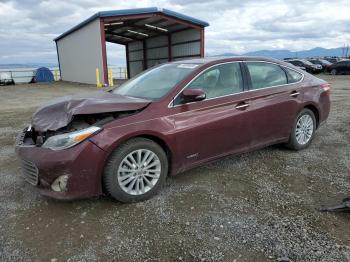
157 50
184 45
135 50
80 54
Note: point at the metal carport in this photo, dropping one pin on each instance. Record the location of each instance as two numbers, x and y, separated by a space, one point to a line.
150 36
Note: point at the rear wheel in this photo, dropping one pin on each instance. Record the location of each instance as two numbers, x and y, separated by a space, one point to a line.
135 171
303 130
334 72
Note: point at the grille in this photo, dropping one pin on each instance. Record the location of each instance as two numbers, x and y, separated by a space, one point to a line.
30 172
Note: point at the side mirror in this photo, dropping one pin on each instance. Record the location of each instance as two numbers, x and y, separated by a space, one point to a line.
192 95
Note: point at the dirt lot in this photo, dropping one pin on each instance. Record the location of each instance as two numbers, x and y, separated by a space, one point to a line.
254 207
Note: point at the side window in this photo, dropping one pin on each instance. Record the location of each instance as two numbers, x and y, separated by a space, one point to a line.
293 76
266 75
220 80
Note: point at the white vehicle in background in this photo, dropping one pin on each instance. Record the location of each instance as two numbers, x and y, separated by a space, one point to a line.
6 79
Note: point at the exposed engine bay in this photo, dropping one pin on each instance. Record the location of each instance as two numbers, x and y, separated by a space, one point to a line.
79 122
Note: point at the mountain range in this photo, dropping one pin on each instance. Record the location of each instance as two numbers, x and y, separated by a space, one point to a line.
280 54
27 65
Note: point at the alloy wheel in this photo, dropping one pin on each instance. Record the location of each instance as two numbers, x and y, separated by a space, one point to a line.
139 172
304 129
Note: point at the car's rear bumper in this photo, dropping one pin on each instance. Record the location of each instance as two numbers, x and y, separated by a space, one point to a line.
82 164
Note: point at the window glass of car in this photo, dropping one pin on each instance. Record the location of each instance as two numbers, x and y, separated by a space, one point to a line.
293 76
325 62
220 80
156 82
343 63
296 63
306 62
264 75
317 62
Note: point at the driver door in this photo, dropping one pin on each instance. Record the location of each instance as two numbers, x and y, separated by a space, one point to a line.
218 125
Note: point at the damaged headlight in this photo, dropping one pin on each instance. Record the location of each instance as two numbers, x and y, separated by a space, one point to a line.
68 140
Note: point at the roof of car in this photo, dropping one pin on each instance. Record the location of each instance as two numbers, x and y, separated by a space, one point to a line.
228 59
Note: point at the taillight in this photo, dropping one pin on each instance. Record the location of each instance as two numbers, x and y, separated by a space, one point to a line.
326 87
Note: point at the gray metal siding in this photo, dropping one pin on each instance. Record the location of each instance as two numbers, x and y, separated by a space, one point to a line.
187 35
151 63
157 41
157 53
135 46
135 68
157 50
135 58
135 55
189 49
80 54
185 43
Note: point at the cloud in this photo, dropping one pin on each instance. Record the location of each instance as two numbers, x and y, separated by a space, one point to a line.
27 27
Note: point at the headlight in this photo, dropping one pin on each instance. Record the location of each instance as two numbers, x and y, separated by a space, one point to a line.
68 140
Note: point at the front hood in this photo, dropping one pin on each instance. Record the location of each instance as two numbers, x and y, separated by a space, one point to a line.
59 112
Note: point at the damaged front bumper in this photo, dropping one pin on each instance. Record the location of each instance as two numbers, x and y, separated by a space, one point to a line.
68 174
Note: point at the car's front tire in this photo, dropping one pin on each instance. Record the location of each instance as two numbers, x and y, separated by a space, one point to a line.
334 72
303 130
135 171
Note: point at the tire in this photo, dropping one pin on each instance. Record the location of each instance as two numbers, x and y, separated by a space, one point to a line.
124 173
334 72
305 125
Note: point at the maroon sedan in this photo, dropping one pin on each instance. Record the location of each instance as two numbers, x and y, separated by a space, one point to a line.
166 120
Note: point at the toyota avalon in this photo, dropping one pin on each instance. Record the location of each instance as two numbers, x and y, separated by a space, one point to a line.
173 117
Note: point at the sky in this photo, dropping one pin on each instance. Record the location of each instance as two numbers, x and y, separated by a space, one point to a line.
28 27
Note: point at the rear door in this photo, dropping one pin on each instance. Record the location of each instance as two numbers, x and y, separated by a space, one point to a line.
342 67
297 63
347 67
275 98
217 125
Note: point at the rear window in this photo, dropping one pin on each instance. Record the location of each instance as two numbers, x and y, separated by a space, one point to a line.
296 63
325 62
266 75
293 76
306 62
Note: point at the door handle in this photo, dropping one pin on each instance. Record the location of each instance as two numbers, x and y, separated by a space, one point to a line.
242 106
294 94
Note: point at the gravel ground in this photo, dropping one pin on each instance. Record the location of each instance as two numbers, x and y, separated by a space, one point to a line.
259 206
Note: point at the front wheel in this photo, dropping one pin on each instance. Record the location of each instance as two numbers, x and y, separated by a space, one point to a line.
135 171
303 130
334 72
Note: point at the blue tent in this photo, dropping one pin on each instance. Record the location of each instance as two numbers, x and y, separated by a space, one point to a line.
43 74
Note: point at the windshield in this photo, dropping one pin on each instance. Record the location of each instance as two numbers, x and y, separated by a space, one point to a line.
155 83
